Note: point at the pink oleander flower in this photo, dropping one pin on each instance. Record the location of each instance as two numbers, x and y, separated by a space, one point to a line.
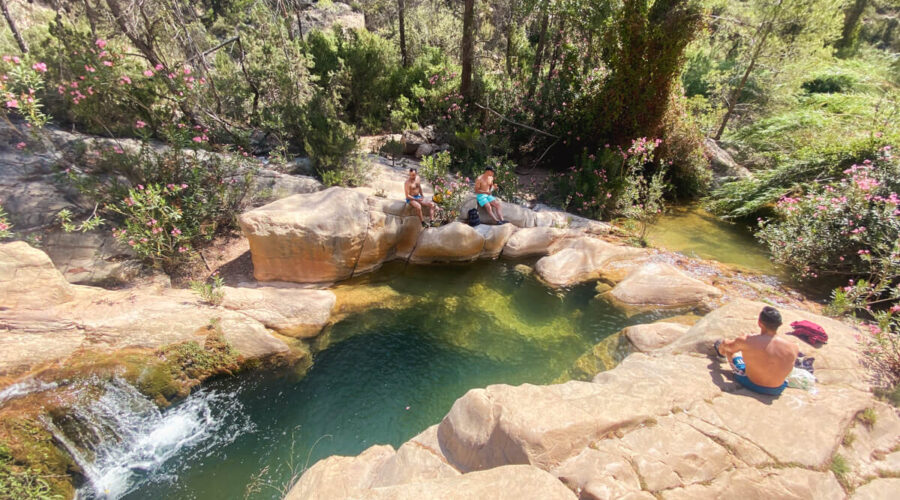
89 69
176 231
148 73
197 139
131 242
184 186
182 249
39 67
12 103
124 80
107 63
140 187
16 60
101 43
21 145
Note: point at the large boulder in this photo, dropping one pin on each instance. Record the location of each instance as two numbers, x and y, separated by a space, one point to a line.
836 361
294 312
650 337
723 165
392 233
272 185
583 259
660 285
314 237
455 242
513 213
28 279
495 238
412 139
532 241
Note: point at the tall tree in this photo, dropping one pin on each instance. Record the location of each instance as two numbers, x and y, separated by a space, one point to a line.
401 14
468 49
12 26
539 51
846 45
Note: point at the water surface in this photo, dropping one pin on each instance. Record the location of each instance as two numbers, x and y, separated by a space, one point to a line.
422 337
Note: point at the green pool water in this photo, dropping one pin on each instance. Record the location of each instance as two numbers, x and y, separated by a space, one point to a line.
698 233
412 340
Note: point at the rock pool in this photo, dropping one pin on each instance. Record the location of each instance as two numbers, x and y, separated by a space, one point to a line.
410 341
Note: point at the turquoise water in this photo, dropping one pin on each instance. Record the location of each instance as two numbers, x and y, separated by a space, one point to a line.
412 341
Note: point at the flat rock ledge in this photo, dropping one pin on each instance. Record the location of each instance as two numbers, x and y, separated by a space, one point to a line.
332 235
44 318
667 423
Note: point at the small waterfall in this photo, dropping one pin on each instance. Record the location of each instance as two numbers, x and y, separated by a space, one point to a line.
122 440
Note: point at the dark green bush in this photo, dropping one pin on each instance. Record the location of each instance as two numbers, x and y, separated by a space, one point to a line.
828 84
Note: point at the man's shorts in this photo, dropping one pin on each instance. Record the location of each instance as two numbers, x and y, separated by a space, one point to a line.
740 375
484 199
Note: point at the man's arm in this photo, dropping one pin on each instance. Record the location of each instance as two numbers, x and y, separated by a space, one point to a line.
732 346
406 190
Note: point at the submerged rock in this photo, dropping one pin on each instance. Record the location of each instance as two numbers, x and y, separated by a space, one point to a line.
652 336
584 259
532 241
293 312
455 242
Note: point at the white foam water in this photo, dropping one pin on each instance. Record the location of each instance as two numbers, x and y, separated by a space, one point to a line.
123 439
25 387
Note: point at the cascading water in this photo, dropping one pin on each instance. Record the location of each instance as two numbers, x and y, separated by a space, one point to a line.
120 438
24 388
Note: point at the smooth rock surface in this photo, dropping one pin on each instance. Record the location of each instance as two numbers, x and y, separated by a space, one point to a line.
661 285
532 241
88 258
293 312
581 260
878 489
788 484
652 336
495 238
455 242
314 237
29 280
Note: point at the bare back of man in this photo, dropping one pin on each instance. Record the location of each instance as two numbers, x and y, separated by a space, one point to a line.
769 359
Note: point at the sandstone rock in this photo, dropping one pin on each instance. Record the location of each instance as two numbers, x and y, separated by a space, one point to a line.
598 474
392 233
673 454
334 14
293 312
789 483
374 143
314 237
412 139
837 361
89 258
425 150
868 452
495 238
583 259
658 285
816 420
515 214
654 335
28 279
512 482
878 489
723 165
270 185
419 459
532 241
455 242
545 425
545 215
339 477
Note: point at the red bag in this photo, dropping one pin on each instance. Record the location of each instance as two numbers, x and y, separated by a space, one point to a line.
809 331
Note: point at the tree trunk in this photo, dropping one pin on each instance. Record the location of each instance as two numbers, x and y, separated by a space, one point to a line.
557 46
401 9
852 16
12 26
539 52
509 35
468 49
766 29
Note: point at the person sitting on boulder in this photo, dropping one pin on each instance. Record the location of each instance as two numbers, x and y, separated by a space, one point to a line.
484 186
416 198
761 362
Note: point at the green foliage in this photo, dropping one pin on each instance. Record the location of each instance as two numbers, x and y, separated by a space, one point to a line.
5 226
210 292
21 85
840 467
393 150
449 190
64 217
868 418
18 482
828 84
328 140
195 361
641 198
435 167
505 178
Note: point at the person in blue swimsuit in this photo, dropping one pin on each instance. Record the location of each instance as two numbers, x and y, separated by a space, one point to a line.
484 186
416 198
761 362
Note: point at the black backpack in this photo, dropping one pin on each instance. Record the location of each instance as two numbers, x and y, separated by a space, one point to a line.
473 219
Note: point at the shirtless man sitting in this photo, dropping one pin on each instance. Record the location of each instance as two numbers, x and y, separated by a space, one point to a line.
761 362
484 186
415 197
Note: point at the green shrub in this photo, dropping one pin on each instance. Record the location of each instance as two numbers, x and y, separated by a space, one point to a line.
435 167
21 85
828 84
393 150
5 226
327 139
210 292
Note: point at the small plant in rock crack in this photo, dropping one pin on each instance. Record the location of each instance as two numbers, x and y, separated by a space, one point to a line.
211 292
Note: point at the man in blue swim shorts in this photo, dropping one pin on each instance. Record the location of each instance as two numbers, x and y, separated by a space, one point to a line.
484 186
761 362
416 198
